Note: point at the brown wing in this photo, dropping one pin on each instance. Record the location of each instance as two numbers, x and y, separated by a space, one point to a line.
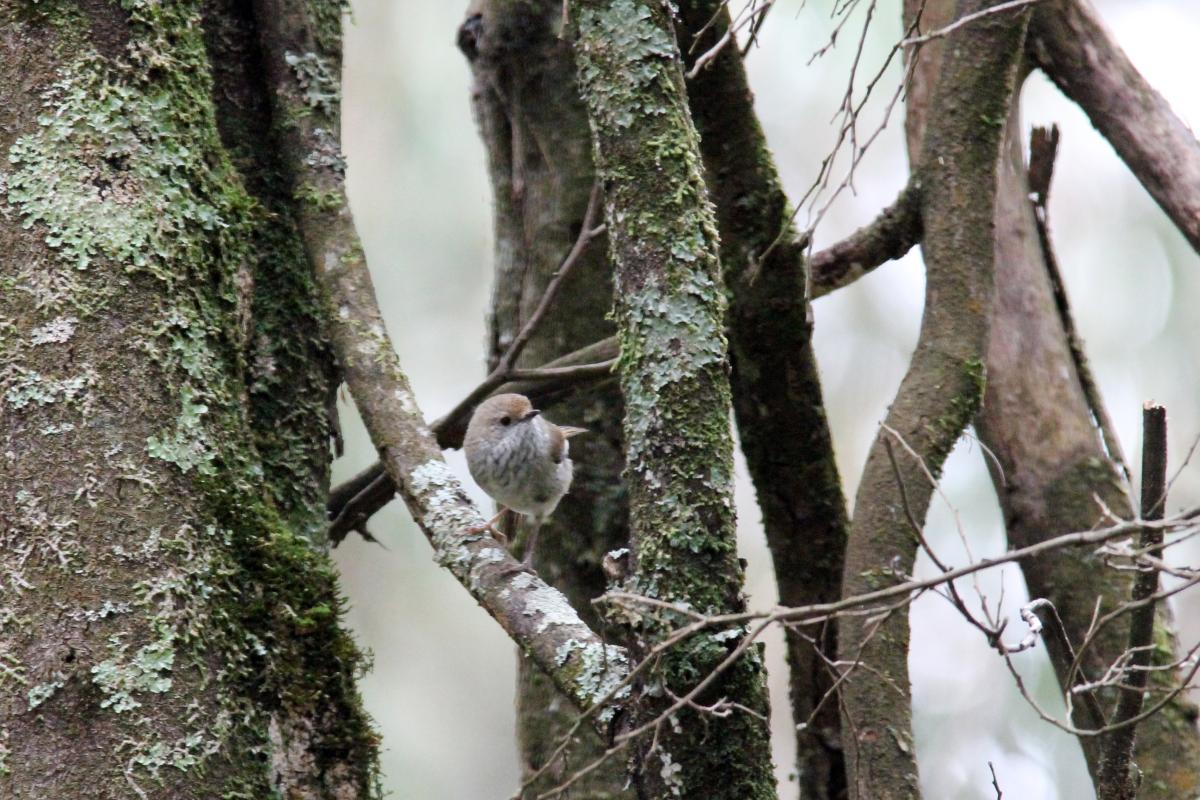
558 440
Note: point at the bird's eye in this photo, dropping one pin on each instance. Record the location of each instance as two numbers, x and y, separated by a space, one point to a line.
505 420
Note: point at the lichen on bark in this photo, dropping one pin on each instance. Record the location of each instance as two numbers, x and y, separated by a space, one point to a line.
669 310
179 611
777 396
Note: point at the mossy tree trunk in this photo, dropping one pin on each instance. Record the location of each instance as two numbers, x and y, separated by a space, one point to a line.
535 130
939 396
777 396
171 621
673 368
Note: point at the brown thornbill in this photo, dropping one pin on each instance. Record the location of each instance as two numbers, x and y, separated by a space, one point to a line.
520 458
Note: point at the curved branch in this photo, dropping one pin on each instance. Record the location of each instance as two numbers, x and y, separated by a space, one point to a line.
535 615
942 389
1070 44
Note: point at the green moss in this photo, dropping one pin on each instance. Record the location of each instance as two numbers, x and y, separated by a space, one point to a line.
966 398
674 381
125 175
324 201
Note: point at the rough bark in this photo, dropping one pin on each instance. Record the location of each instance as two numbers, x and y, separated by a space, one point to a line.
1070 43
940 393
673 368
535 130
889 236
1037 420
170 629
776 388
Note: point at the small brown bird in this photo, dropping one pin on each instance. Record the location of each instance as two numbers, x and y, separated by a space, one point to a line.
519 458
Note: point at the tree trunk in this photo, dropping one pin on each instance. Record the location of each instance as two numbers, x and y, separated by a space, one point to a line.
1038 421
674 379
777 396
170 617
535 130
939 396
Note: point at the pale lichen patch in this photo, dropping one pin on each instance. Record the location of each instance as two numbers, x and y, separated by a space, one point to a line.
148 671
601 668
317 80
449 514
56 331
546 601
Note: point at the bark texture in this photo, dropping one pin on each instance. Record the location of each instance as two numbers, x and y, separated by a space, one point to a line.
170 624
1037 419
535 130
674 379
776 387
939 395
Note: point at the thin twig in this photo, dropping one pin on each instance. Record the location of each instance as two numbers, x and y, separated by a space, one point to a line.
589 230
967 20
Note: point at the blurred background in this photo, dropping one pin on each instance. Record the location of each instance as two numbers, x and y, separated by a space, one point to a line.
442 685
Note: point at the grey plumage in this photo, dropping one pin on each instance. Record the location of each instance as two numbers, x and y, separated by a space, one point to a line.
521 459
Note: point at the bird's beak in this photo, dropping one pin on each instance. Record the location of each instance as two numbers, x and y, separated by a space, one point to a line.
530 415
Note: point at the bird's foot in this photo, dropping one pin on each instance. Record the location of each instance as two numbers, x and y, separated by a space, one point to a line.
490 527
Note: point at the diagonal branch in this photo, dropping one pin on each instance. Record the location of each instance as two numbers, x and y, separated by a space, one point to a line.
1070 44
535 615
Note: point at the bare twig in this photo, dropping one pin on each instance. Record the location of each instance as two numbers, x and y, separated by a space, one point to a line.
587 232
1012 5
1043 148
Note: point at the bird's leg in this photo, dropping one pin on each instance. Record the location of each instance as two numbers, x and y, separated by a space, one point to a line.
490 526
527 559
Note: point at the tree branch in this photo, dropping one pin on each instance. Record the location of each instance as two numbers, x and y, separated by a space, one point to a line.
535 615
1043 147
892 234
1119 776
1070 44
944 385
